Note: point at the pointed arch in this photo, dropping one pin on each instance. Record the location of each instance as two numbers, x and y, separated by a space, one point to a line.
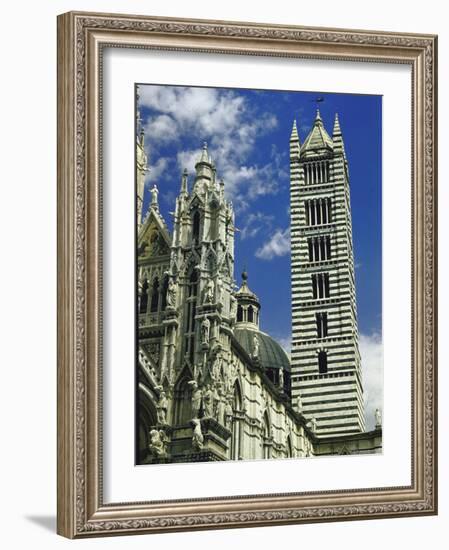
266 435
147 417
164 291
196 225
237 426
143 297
289 446
154 304
183 398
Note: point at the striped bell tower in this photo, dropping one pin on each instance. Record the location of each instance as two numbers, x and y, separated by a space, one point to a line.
326 370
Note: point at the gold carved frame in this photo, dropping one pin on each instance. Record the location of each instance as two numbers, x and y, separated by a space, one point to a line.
81 37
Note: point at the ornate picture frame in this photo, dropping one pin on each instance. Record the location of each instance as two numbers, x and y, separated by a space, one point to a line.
82 38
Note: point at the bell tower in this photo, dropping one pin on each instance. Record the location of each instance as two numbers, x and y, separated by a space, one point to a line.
326 369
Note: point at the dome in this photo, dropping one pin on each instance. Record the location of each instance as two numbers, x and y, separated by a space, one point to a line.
271 354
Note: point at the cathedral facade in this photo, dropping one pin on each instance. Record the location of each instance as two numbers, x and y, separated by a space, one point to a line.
210 384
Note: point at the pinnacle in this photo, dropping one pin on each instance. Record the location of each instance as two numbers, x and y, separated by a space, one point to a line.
337 129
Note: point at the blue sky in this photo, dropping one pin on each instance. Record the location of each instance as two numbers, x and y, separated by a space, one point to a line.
248 133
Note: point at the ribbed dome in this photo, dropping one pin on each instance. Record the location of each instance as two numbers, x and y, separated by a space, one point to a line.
271 354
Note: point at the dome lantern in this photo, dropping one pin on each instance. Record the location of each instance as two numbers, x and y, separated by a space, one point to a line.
248 305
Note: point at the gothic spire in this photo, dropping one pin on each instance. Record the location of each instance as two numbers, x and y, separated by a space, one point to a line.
294 135
337 129
205 158
337 137
294 142
184 189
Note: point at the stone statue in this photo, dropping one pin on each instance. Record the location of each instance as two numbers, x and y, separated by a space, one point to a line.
154 196
221 407
231 374
299 404
208 401
205 331
255 347
161 408
219 290
197 395
216 367
197 437
158 441
313 424
377 418
172 292
281 379
228 412
209 292
232 307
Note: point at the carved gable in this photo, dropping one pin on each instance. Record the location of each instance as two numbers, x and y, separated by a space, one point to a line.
154 240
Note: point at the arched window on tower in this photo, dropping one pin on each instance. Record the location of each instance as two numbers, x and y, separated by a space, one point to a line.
183 401
250 314
144 297
236 438
322 362
154 295
164 293
239 314
196 226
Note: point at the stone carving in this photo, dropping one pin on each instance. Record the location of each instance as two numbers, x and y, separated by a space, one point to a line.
221 407
208 400
220 290
153 350
232 375
161 408
281 379
377 418
197 437
299 404
255 347
154 196
197 396
172 293
208 297
228 412
312 424
158 443
205 331
216 365
232 307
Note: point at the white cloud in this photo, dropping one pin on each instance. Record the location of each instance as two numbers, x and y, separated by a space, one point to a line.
254 222
229 124
157 169
162 128
277 245
371 351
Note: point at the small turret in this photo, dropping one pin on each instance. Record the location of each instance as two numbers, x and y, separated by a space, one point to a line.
248 305
204 171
